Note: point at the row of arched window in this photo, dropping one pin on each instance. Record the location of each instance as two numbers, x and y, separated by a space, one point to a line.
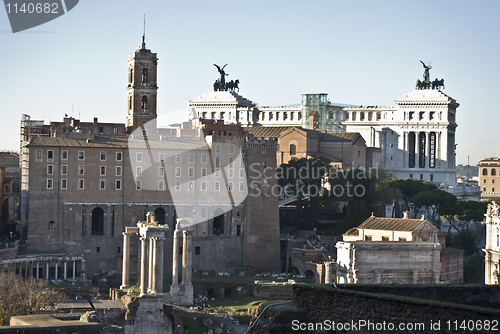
492 173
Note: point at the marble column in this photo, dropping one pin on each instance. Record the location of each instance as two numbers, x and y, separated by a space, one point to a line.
175 266
37 270
143 266
47 271
74 269
186 258
159 268
328 272
83 269
150 264
65 269
153 266
417 149
126 260
57 264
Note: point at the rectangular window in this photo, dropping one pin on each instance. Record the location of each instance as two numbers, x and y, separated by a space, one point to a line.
102 184
161 185
103 156
64 170
203 185
138 171
230 172
118 156
368 238
118 184
217 162
216 185
217 172
64 155
242 172
81 155
115 130
177 172
81 183
81 170
217 148
38 157
138 157
203 212
50 169
191 158
385 238
191 185
203 172
64 184
161 157
190 172
231 149
118 170
178 158
177 185
242 149
103 170
204 158
231 162
241 186
138 185
161 171
50 184
230 186
50 155
197 250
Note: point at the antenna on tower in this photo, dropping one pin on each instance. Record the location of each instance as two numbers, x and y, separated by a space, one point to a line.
144 31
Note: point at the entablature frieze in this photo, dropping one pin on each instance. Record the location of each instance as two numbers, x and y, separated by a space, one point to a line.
423 127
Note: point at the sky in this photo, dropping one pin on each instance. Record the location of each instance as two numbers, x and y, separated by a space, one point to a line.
358 52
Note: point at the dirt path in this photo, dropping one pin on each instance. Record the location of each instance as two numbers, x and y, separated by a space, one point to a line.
237 329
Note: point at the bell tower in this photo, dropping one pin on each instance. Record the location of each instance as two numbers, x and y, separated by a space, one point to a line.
142 88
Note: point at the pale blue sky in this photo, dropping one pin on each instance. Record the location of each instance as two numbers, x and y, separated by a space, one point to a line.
359 52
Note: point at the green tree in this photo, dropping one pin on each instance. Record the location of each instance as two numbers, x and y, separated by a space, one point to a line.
411 187
434 201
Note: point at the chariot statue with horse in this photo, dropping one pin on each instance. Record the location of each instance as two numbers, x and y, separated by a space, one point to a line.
426 83
221 84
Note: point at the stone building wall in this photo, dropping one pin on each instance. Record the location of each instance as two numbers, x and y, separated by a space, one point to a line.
345 306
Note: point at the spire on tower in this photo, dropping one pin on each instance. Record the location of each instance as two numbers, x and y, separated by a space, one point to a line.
143 45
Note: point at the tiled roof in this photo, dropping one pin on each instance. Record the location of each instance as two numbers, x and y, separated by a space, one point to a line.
268 131
352 231
395 224
172 143
340 136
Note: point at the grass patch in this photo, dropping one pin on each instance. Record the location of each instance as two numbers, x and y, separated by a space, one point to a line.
243 308
193 323
474 269
64 284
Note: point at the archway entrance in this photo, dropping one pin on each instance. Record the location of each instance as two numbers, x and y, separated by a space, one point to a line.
98 221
